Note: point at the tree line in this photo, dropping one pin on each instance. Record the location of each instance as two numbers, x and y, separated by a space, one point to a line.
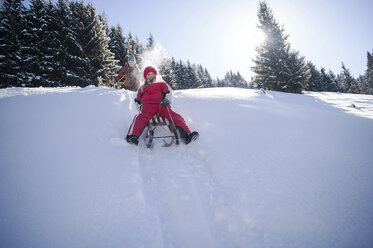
68 44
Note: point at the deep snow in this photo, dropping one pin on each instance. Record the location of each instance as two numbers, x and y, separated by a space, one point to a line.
269 170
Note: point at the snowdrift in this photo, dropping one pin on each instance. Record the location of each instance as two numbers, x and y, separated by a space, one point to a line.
269 170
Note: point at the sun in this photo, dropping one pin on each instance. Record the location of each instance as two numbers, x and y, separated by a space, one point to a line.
260 36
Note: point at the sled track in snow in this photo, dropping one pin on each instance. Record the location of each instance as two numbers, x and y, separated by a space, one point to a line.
176 193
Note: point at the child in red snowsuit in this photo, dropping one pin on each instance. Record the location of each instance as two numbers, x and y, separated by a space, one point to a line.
154 98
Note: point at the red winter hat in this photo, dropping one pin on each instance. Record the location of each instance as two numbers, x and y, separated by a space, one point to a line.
149 69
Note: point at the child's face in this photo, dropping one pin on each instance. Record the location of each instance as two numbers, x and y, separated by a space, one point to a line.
150 76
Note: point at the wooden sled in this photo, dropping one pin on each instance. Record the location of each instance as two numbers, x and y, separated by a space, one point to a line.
157 122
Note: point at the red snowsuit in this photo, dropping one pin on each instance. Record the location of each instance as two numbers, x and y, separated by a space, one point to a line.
150 96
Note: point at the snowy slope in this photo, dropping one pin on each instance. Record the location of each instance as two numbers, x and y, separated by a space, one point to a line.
269 170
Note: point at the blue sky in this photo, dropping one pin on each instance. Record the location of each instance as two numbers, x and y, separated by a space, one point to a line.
222 34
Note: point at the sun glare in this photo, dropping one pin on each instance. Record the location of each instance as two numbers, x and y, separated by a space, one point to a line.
259 36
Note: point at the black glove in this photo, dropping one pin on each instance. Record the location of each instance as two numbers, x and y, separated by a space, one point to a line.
166 102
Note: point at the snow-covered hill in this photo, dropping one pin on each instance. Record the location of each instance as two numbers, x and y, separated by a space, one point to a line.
269 170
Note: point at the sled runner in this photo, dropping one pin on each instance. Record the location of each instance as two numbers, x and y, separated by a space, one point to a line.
157 122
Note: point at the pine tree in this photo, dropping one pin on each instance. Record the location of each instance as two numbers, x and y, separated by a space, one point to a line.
232 79
117 44
38 46
86 53
102 62
276 66
346 80
181 75
67 40
174 78
228 79
12 60
220 83
189 76
314 82
369 73
167 73
363 84
151 41
174 67
204 76
191 80
208 82
80 25
355 87
240 81
334 80
328 82
52 46
109 65
134 47
251 83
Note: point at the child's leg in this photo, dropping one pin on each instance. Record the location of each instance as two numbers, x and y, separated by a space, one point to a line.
140 121
178 119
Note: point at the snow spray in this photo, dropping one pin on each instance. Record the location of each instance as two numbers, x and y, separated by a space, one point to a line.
154 56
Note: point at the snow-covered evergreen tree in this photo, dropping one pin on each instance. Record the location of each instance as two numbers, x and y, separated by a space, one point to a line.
108 64
204 76
369 73
334 79
83 45
151 41
12 60
173 69
355 87
117 44
314 82
167 73
345 80
191 80
228 79
178 72
328 81
51 47
181 75
39 47
240 81
208 81
85 52
134 47
363 84
277 67
65 53
219 82
233 80
189 76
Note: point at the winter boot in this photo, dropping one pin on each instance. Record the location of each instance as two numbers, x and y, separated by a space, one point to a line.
182 132
132 139
191 136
